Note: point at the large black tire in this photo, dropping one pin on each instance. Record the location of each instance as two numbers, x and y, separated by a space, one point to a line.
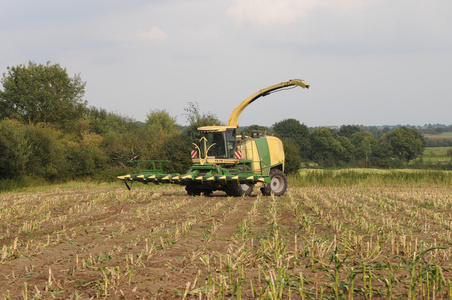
233 189
277 185
247 188
192 191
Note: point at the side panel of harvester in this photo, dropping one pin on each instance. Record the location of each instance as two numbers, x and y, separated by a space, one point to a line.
250 152
276 149
265 153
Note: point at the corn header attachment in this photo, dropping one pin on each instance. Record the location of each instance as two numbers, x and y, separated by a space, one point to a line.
224 161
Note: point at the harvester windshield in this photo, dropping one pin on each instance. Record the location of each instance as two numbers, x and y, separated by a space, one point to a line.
216 142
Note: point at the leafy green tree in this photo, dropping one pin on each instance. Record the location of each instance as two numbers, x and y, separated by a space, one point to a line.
176 149
47 152
14 150
363 143
325 148
121 147
42 93
292 158
419 136
86 157
406 143
159 127
101 121
383 155
160 121
349 130
123 137
197 119
348 156
298 133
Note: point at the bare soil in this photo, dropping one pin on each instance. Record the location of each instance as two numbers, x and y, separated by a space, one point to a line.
157 242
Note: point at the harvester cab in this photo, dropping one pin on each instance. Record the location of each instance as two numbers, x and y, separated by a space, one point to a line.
224 161
216 142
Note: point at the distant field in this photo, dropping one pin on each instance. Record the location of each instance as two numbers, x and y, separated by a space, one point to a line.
339 234
444 135
437 155
439 151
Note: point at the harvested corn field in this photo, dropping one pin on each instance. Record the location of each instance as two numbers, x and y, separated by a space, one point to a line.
358 241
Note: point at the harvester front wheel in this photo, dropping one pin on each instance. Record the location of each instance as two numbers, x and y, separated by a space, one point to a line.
277 185
192 191
247 188
233 189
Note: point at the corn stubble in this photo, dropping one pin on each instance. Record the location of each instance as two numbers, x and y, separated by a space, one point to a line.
319 241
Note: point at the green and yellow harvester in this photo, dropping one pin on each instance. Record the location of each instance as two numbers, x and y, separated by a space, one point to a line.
223 160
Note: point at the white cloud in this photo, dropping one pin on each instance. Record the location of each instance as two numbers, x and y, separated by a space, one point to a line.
155 34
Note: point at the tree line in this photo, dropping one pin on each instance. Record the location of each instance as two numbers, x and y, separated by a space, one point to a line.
348 146
47 131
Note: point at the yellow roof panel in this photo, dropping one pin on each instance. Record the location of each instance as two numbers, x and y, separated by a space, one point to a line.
216 128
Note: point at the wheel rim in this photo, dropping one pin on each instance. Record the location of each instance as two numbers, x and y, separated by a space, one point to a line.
245 187
277 184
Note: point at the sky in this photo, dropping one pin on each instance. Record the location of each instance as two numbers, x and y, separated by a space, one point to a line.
372 62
